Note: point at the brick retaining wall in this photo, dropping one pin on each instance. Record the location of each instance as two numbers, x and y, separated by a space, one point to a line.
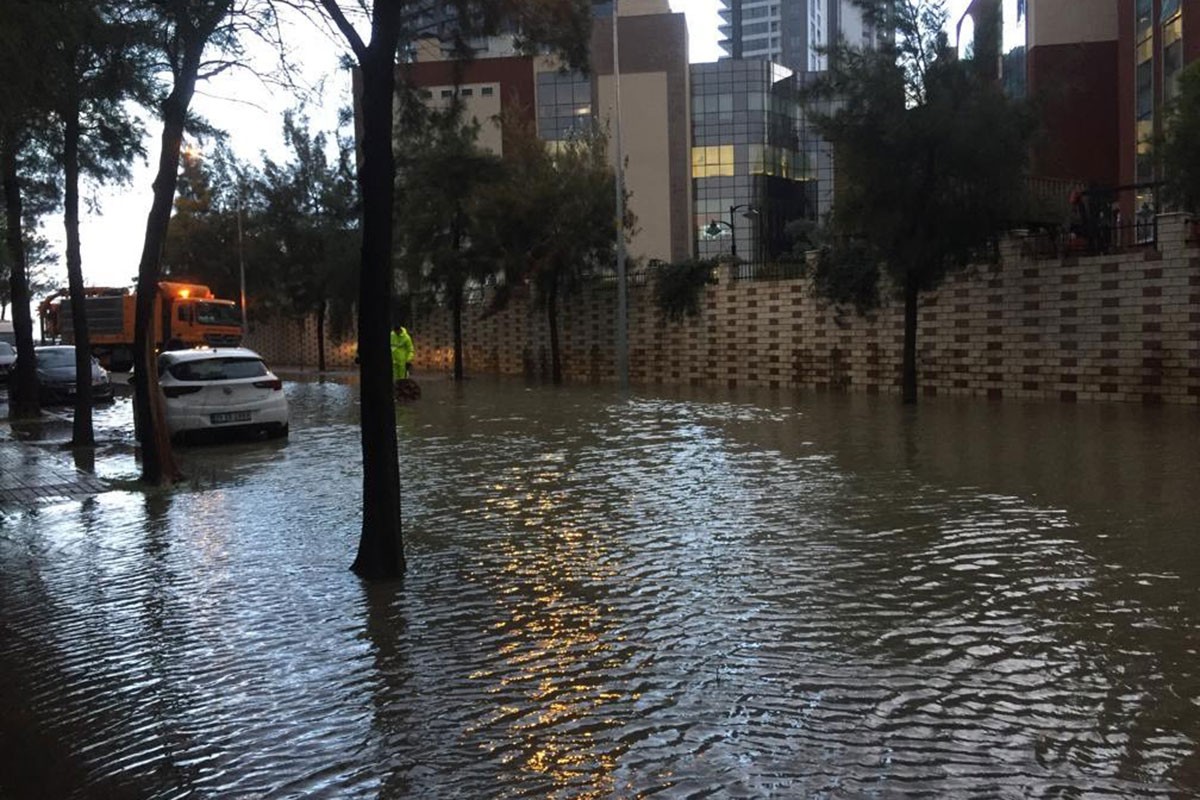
1123 327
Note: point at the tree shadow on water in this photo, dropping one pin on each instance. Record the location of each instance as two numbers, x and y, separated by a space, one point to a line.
393 724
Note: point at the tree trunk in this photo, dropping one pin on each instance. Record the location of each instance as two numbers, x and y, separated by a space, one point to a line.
23 399
381 548
455 285
158 460
321 337
82 431
909 376
552 318
456 309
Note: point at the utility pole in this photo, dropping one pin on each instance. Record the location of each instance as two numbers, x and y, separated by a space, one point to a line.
622 289
241 261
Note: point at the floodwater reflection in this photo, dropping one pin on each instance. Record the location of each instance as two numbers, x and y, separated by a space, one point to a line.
682 593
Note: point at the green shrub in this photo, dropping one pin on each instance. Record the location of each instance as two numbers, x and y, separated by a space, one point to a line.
677 287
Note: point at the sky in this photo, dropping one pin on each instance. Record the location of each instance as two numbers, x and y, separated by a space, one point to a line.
112 234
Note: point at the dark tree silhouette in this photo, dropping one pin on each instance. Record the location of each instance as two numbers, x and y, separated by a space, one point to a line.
930 157
560 23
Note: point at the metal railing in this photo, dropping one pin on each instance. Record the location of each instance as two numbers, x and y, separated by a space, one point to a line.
770 270
1057 242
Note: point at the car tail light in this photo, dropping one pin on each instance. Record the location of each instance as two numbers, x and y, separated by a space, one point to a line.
179 391
276 384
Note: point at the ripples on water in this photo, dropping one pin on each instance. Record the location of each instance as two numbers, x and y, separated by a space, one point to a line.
688 596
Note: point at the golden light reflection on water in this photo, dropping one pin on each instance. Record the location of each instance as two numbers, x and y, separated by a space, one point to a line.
669 599
552 637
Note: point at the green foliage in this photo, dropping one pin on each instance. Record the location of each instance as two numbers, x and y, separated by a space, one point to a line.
549 221
679 287
1178 148
442 178
201 243
929 154
40 256
307 235
847 273
930 157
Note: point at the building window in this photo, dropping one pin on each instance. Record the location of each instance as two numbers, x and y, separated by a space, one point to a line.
1172 54
426 94
1144 85
466 92
1145 17
712 161
564 105
487 91
1143 90
447 93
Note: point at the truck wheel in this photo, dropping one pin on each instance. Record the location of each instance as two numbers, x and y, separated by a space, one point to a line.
120 360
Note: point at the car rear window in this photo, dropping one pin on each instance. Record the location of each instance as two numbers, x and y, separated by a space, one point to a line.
56 357
218 369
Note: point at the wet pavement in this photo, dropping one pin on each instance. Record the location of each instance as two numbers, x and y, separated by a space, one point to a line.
672 593
34 471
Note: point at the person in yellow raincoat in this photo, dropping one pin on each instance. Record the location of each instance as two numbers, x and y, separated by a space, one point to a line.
402 353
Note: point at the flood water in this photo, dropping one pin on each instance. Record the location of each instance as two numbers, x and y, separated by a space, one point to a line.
672 593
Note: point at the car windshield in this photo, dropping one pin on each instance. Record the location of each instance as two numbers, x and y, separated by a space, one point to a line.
218 369
218 314
6 349
58 357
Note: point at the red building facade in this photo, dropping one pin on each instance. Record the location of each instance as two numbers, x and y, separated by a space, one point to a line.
1102 73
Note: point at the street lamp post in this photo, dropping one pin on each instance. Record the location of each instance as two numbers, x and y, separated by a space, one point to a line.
241 263
714 229
622 342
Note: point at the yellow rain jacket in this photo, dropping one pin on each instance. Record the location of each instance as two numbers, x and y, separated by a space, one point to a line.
402 353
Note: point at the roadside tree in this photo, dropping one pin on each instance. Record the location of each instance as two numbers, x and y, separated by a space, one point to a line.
26 171
443 177
562 24
307 231
39 256
100 65
930 157
201 242
1178 148
196 39
550 218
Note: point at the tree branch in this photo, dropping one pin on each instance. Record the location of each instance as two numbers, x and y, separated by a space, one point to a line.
343 25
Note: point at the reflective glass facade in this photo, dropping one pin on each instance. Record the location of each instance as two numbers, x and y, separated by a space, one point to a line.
564 105
747 156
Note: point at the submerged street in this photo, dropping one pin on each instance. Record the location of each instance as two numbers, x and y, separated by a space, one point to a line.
676 592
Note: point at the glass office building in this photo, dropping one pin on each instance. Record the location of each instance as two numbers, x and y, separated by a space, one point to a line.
750 175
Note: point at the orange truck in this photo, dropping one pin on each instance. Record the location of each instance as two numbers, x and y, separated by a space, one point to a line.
185 315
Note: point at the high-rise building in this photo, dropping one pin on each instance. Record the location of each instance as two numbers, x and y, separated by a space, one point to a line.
793 33
1155 40
749 171
655 117
1100 73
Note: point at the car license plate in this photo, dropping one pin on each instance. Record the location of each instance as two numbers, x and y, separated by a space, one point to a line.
230 416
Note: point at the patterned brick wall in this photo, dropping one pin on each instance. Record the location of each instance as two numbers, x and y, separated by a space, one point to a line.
1123 327
293 343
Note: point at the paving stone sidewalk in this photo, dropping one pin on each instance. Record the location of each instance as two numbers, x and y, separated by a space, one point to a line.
33 472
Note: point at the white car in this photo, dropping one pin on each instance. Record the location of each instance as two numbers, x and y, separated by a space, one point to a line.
221 389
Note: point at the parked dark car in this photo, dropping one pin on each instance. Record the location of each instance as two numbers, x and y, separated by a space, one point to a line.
8 357
56 376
